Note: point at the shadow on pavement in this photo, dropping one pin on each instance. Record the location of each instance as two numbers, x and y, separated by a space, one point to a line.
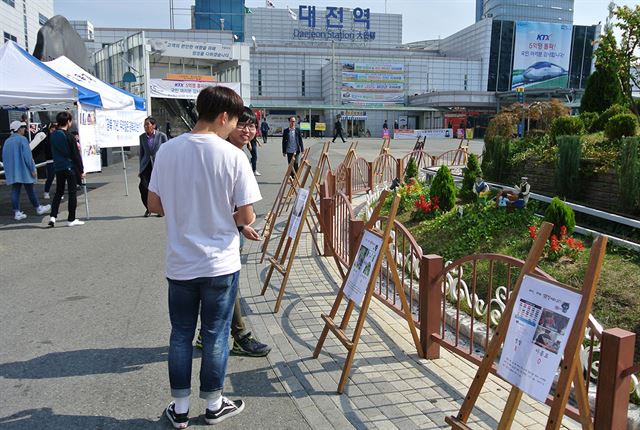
44 418
84 362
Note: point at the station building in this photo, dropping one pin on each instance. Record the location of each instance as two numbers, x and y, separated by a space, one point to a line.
323 63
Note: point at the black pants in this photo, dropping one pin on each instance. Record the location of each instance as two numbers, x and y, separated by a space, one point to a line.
337 133
254 155
68 177
51 174
290 155
145 177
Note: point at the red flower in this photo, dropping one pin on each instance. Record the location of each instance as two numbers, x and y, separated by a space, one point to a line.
563 232
532 232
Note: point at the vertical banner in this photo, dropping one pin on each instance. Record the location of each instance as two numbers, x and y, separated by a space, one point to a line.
540 325
541 55
117 128
89 148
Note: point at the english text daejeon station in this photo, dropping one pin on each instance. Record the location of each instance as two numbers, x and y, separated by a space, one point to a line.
320 62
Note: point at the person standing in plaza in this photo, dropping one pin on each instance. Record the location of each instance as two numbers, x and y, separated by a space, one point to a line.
197 181
51 172
337 130
20 169
264 130
292 144
68 166
150 142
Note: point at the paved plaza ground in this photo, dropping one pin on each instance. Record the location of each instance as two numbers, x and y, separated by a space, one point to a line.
85 329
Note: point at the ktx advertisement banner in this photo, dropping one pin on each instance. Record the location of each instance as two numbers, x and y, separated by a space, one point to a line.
369 84
541 57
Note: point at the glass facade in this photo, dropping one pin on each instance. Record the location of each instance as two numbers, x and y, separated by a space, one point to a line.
581 55
220 15
529 10
501 56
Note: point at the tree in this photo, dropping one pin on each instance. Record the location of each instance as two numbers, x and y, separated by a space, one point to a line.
443 187
625 57
470 172
602 90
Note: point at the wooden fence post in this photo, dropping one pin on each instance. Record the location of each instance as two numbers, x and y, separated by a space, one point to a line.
356 229
327 213
399 169
370 175
612 399
430 293
348 184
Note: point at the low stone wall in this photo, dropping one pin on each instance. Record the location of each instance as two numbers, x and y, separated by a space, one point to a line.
597 190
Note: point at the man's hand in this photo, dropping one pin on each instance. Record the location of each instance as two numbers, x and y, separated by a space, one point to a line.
34 174
250 233
284 155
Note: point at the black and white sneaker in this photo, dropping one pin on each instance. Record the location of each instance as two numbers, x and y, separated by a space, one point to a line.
179 421
228 409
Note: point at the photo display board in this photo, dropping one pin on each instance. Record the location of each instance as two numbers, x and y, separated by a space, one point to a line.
296 214
540 324
360 274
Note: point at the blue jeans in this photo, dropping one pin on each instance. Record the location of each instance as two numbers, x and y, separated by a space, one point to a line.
15 196
214 298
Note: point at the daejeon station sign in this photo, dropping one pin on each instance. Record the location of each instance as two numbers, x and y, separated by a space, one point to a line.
331 26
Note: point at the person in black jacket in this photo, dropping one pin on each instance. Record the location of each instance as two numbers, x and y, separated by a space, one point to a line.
68 166
337 130
51 172
150 142
292 144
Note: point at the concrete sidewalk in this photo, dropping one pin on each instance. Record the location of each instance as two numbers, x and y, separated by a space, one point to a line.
85 332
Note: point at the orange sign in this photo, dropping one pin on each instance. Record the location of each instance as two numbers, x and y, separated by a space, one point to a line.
183 77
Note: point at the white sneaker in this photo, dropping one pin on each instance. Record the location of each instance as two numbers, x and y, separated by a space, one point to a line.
75 222
47 196
19 216
52 221
257 173
43 209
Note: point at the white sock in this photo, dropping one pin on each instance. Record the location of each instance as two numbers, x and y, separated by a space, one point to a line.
182 404
214 404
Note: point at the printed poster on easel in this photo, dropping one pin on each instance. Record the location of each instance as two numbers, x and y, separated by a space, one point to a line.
296 215
360 274
540 325
89 148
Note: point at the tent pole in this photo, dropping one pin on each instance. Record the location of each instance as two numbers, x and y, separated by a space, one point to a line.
124 172
86 198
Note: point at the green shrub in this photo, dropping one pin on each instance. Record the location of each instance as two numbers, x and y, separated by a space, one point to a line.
568 166
604 117
469 179
566 126
621 125
412 170
602 90
589 119
629 175
443 187
495 158
560 214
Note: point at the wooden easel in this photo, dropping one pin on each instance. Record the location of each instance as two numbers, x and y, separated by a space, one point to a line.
570 369
462 153
287 247
386 146
339 330
283 196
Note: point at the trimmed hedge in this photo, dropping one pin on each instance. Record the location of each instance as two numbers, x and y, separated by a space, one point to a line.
566 126
621 125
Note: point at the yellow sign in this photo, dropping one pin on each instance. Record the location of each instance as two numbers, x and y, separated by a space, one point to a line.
320 126
520 90
185 77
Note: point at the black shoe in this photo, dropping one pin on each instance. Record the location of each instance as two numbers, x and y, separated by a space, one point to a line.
159 216
179 421
228 409
250 347
146 214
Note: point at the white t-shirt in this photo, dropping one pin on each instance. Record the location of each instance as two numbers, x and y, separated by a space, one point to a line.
200 179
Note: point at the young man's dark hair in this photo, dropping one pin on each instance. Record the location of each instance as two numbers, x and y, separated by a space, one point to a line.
212 101
151 120
63 118
292 117
248 116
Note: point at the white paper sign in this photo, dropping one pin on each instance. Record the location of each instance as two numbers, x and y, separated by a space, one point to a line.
361 271
296 214
538 331
117 128
89 148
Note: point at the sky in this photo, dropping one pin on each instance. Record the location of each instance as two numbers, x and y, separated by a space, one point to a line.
421 19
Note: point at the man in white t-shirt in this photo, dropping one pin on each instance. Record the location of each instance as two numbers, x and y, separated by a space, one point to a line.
197 181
